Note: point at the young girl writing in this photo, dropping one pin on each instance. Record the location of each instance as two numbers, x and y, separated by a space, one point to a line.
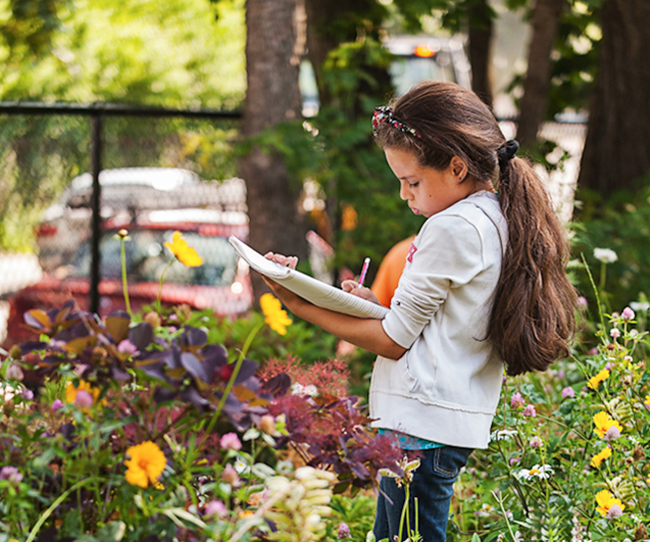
484 284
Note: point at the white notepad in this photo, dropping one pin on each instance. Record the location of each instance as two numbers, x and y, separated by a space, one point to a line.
316 292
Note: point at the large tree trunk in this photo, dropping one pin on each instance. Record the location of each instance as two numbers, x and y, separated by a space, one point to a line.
480 49
617 149
532 109
273 51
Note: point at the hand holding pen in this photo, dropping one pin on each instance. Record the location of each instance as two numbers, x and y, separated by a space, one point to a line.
364 271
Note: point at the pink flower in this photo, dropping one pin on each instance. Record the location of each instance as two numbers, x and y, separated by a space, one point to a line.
530 411
230 441
608 366
593 351
11 474
615 333
344 531
612 433
57 405
628 314
216 508
568 392
514 461
127 347
27 394
614 512
230 476
535 442
83 399
582 302
516 400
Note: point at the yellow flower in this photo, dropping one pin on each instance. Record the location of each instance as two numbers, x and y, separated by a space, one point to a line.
71 391
595 380
647 400
604 422
146 464
606 501
276 318
184 252
601 456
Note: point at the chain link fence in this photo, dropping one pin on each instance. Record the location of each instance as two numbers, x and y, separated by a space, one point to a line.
71 176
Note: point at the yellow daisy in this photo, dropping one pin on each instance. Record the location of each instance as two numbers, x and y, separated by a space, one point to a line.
595 380
603 422
184 253
146 464
601 456
275 317
606 501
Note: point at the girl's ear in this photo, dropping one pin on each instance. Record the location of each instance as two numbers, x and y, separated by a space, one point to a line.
458 167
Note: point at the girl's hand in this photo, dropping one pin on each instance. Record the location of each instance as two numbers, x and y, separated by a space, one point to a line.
353 288
288 261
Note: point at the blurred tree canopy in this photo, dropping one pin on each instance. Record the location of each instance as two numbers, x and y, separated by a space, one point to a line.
172 53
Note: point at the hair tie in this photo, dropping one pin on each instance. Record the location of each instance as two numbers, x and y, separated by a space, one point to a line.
384 114
508 151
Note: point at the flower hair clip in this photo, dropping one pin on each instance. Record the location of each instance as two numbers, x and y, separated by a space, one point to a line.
384 114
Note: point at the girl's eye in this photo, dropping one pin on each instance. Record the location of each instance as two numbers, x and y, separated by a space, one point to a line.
413 185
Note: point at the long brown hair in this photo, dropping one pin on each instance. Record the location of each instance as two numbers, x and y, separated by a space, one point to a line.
532 317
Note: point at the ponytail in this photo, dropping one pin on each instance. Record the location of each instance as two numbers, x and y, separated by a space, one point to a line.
532 318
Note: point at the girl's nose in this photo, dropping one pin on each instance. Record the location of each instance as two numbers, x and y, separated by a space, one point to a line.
403 192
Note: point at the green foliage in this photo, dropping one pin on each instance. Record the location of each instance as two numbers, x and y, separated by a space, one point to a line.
622 225
174 53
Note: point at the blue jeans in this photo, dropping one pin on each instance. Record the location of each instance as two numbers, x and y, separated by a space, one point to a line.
432 485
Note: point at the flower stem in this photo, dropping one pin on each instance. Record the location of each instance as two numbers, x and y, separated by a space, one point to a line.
160 285
231 383
53 507
124 283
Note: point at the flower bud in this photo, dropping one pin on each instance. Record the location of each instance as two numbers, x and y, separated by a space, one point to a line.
641 533
638 454
15 352
123 234
230 475
14 372
267 424
153 319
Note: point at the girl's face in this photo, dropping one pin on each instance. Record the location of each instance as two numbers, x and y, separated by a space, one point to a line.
427 190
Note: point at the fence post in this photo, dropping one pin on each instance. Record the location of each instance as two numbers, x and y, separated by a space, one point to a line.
96 120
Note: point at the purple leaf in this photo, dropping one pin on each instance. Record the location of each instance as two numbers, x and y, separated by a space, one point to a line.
141 335
194 366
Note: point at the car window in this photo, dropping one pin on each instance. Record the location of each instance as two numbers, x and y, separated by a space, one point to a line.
147 257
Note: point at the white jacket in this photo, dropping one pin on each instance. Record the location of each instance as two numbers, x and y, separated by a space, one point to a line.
446 387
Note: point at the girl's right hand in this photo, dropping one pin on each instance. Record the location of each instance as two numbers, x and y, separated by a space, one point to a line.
353 288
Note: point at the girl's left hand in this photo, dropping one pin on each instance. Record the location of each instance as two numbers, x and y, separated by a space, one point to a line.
286 296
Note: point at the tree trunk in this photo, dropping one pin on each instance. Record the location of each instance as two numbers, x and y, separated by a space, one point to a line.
532 110
617 149
272 62
480 49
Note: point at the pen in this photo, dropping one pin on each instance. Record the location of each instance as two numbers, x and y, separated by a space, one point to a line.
364 271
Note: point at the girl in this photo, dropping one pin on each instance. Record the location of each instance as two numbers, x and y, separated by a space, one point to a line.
484 284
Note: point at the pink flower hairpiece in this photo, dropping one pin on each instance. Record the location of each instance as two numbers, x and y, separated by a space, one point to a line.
384 114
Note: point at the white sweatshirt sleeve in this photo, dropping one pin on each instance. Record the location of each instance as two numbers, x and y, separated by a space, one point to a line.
448 254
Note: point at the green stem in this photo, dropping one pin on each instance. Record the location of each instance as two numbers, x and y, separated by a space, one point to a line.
160 284
505 515
593 285
124 283
53 507
231 383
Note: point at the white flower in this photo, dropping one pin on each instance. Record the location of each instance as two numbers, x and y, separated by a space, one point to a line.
299 389
538 471
640 306
605 255
505 434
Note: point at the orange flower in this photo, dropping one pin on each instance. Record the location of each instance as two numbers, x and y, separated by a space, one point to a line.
71 391
145 466
184 253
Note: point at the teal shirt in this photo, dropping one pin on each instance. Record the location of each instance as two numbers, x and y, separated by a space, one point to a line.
408 442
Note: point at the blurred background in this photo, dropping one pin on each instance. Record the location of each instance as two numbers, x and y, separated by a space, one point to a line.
219 117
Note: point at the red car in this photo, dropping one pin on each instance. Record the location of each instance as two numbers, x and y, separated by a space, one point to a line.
221 283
